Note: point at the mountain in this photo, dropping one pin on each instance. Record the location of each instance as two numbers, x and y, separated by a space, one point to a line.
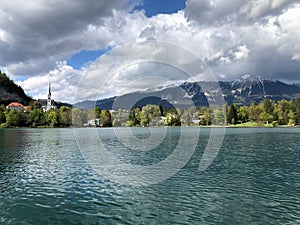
10 92
249 89
243 91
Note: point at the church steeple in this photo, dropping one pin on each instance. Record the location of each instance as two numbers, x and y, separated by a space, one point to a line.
49 101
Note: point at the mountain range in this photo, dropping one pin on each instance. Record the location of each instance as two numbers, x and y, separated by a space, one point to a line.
242 91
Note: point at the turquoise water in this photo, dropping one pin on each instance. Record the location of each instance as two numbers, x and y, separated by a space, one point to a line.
255 179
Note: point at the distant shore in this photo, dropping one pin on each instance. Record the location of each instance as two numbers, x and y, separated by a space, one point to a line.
194 126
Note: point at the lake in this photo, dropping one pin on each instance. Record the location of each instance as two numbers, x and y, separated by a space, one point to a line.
143 176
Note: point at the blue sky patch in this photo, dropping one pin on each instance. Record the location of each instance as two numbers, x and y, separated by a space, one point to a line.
81 58
154 7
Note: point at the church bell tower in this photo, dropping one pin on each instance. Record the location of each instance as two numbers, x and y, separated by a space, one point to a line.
49 101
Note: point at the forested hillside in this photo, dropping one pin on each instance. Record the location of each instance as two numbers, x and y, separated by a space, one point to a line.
10 92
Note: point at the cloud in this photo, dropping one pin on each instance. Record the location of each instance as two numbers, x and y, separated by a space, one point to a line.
233 37
43 30
139 66
218 12
64 81
261 8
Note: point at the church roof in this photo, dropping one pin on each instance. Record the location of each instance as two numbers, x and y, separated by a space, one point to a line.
15 104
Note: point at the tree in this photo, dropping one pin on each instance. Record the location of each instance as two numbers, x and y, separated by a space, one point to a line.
254 111
149 114
37 116
219 117
291 117
119 119
91 114
186 118
172 119
65 116
243 114
2 117
105 118
12 117
281 111
135 116
34 105
2 114
2 108
297 111
206 113
52 118
268 106
97 112
266 117
232 115
79 117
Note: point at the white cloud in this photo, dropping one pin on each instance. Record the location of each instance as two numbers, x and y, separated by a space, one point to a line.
131 67
233 37
64 80
42 30
259 8
242 52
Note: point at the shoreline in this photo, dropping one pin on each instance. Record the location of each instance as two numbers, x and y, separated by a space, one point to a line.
209 126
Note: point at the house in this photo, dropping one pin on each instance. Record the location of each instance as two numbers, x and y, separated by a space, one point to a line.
17 106
92 123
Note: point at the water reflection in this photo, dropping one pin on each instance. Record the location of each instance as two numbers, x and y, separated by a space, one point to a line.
255 179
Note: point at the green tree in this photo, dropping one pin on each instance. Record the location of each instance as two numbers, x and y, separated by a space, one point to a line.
281 111
232 115
34 105
291 118
266 117
219 117
243 114
268 106
52 118
120 118
186 118
79 117
297 110
37 116
25 119
150 114
2 108
94 113
12 118
105 118
254 111
2 114
172 119
97 113
135 116
65 116
206 118
2 117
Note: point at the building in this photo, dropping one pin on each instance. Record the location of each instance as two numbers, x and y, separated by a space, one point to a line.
48 103
17 106
92 123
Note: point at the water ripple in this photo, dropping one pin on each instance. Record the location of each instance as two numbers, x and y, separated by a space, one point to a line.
255 179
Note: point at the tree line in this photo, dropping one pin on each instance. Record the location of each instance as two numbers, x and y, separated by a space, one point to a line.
283 112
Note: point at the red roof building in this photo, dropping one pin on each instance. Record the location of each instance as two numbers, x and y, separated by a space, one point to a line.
17 106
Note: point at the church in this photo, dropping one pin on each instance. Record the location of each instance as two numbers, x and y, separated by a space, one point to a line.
48 103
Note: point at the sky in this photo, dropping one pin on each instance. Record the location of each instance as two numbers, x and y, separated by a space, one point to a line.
97 49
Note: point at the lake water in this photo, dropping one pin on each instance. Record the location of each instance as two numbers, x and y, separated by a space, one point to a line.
45 177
